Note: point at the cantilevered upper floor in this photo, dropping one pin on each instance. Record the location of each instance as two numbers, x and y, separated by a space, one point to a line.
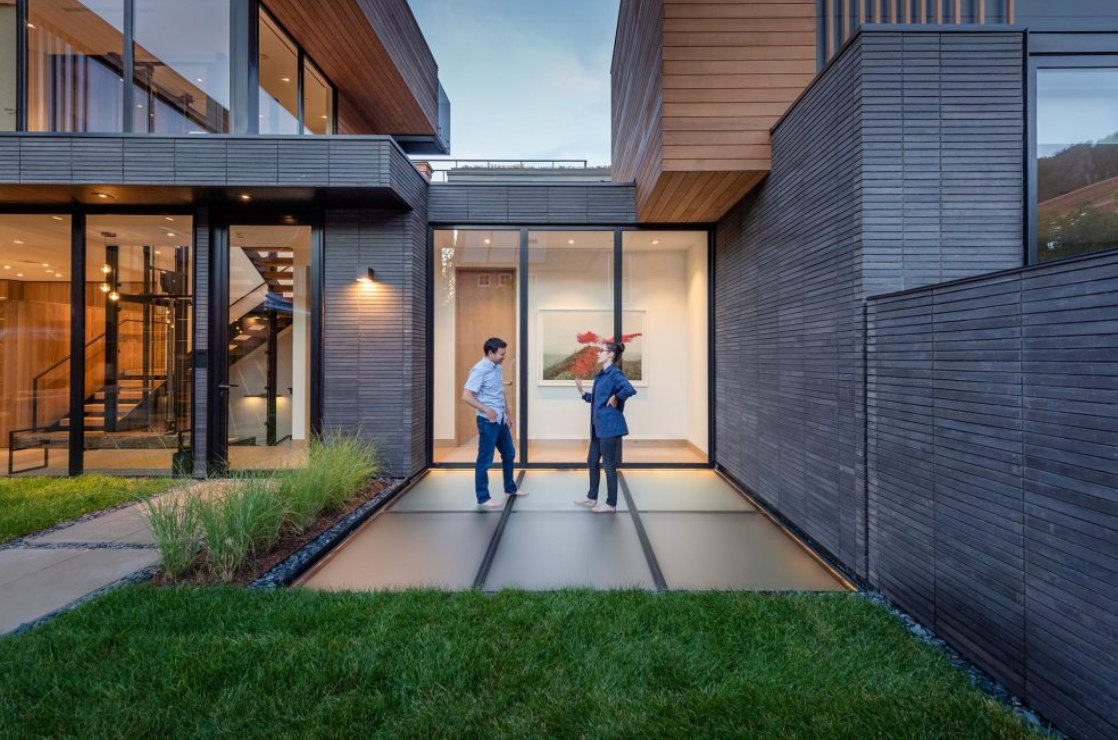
205 67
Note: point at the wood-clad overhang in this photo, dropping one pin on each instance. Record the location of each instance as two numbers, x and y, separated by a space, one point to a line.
145 169
697 86
376 56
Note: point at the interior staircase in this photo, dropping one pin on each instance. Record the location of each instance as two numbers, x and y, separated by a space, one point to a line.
133 399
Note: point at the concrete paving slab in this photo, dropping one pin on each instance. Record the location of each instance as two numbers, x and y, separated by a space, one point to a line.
41 592
683 490
129 525
731 551
17 563
439 549
542 550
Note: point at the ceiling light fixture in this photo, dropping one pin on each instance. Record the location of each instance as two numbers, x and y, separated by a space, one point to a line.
655 241
106 269
488 241
19 274
17 241
570 241
104 287
245 197
114 296
168 218
57 218
7 267
103 196
285 79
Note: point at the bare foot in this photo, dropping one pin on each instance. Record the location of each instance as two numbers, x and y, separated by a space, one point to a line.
522 494
604 509
586 501
492 504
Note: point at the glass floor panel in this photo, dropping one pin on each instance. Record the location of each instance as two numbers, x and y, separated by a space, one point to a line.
549 550
409 550
731 551
683 490
449 490
556 490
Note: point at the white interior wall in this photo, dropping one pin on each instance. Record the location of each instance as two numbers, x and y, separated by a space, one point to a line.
698 309
247 416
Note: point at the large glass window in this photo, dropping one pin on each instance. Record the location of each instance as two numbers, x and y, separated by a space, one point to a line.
664 327
35 342
279 79
1077 161
269 346
75 55
570 312
476 297
8 67
318 101
138 295
182 72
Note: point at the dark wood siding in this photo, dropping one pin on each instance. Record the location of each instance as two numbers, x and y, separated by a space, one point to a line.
532 204
993 476
201 387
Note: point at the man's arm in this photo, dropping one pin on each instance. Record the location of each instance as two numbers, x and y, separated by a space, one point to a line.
471 400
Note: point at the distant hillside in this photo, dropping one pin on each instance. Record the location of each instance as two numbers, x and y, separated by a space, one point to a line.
1077 167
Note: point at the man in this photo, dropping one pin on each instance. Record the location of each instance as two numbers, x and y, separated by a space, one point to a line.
485 392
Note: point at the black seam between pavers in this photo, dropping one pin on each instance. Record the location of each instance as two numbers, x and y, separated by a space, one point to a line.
495 540
646 545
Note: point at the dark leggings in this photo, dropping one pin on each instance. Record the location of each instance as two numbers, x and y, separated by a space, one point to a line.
603 450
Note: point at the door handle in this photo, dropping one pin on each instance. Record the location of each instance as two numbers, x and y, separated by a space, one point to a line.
227 386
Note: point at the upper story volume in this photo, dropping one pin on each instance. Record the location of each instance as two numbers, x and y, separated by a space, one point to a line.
198 67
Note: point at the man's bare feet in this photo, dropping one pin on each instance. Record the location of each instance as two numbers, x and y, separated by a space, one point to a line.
604 509
492 504
586 501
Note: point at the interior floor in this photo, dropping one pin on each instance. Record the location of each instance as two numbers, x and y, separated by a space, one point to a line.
657 452
157 461
679 530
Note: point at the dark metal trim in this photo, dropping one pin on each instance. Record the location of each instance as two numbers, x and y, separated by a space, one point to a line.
577 466
129 69
300 104
429 381
646 544
217 408
77 343
618 308
495 540
318 324
522 364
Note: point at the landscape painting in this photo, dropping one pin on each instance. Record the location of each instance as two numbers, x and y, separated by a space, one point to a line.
569 341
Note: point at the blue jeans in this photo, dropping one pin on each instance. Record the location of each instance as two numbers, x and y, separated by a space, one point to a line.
493 435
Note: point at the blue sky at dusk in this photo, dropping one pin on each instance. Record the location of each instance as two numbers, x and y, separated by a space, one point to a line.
526 78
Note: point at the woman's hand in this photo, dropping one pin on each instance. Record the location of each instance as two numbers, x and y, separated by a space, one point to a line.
578 385
612 401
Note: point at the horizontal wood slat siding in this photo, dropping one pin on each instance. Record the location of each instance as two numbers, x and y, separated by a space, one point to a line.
375 337
696 88
994 478
257 161
532 204
375 53
787 313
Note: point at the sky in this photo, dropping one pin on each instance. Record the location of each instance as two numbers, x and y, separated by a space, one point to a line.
527 79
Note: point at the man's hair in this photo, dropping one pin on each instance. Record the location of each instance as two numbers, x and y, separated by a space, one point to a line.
493 344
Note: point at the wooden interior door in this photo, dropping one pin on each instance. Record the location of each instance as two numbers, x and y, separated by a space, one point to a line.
485 307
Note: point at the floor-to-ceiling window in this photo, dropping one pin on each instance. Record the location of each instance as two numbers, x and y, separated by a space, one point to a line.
138 373
664 326
269 353
182 67
9 80
477 296
572 308
35 315
74 73
318 101
1077 160
279 79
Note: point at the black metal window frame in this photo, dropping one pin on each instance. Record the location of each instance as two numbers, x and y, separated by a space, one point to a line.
217 410
244 50
523 459
78 215
1055 51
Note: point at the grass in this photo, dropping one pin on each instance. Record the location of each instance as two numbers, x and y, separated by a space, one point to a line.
201 663
28 505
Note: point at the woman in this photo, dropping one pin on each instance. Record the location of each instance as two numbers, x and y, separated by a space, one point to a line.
607 424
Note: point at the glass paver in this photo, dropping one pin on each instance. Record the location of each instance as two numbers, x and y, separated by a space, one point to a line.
548 550
448 490
556 490
683 490
731 551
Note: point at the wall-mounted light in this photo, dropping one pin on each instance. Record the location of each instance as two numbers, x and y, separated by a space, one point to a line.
114 296
366 274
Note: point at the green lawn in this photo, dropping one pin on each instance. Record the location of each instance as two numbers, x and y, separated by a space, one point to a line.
204 663
30 504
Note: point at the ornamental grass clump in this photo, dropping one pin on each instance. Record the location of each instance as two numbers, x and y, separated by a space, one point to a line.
338 467
245 519
174 522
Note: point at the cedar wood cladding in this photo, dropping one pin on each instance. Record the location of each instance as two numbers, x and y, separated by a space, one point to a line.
993 512
891 173
696 87
531 204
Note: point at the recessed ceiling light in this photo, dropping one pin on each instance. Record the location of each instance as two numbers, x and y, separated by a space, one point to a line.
17 241
19 274
198 78
7 267
158 252
104 196
655 241
245 197
46 264
324 117
570 241
57 218
488 241
168 218
139 105
30 25
285 79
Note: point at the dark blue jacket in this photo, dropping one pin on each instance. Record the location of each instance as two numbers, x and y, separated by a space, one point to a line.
605 420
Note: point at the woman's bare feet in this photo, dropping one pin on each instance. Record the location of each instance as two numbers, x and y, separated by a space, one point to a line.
492 504
604 509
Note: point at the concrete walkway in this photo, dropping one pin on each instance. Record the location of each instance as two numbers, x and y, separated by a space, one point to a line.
41 574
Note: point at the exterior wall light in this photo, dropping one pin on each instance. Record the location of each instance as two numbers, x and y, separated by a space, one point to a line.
366 275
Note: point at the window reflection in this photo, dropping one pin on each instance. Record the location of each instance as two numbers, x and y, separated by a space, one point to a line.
279 80
75 52
1077 161
182 67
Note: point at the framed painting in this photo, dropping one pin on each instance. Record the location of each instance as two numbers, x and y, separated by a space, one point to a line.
569 340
